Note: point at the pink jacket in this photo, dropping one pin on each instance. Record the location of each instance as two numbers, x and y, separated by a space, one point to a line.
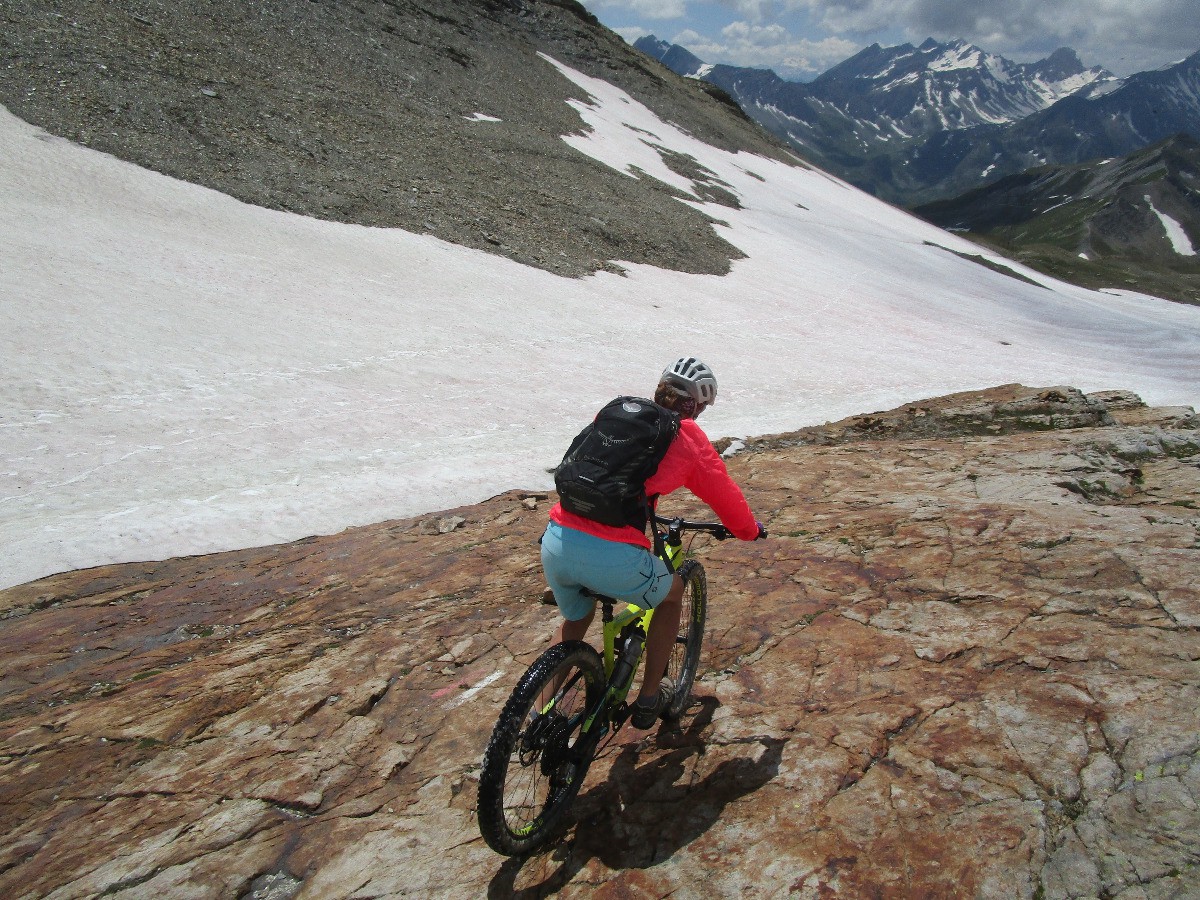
691 462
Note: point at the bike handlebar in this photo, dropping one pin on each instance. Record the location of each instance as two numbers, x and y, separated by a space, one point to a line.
676 526
716 529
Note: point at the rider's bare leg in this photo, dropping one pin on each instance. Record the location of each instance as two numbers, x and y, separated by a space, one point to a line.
575 631
566 631
661 638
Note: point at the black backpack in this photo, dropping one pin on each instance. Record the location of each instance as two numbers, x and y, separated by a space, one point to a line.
603 474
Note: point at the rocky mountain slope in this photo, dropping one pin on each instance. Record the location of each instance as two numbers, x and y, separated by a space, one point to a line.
1132 221
380 113
965 665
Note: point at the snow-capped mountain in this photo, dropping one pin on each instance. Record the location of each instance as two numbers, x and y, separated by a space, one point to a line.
1146 108
885 101
905 91
885 93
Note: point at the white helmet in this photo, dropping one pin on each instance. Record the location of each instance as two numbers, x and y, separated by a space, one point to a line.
694 377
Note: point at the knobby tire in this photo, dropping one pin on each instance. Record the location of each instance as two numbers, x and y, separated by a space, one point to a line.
685 655
531 772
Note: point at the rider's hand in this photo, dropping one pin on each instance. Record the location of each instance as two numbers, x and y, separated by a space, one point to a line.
762 531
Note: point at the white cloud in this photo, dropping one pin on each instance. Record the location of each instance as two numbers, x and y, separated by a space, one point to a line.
1145 33
1125 35
769 46
631 34
651 9
764 10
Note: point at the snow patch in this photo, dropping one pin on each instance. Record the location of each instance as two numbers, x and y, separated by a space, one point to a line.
964 58
1180 242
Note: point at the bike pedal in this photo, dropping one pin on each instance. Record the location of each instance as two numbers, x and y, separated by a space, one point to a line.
621 715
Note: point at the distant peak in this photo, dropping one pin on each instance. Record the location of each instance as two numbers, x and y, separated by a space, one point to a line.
1063 54
650 40
1064 60
953 53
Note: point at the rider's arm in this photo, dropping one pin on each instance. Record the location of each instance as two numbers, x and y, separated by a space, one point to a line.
693 463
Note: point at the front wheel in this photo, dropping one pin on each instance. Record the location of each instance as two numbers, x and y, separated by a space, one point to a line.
537 758
685 655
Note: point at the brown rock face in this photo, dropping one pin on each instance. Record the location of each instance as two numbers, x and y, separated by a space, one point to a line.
966 664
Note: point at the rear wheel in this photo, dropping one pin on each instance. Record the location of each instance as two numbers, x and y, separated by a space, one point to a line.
685 655
536 759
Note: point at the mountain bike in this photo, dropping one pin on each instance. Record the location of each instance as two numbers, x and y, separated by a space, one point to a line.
572 697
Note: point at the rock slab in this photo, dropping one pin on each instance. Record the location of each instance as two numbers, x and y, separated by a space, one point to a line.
966 664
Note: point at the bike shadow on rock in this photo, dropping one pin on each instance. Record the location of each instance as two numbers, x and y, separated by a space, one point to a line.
642 814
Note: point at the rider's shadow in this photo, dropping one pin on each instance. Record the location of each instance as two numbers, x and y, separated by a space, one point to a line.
644 813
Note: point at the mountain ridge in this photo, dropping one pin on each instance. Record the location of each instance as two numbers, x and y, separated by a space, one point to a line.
896 86
1148 107
917 124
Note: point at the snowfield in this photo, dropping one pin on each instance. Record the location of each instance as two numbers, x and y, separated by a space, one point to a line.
184 373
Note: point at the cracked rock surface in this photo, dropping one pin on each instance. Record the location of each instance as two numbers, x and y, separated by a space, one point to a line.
966 664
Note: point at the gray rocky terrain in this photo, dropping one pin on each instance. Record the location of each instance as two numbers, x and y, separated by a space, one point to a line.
365 112
966 664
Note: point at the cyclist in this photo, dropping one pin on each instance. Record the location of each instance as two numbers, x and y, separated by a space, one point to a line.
617 560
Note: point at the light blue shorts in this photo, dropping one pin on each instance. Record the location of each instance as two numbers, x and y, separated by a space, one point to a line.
573 560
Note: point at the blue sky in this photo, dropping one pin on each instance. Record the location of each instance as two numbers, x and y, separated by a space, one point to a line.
802 38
